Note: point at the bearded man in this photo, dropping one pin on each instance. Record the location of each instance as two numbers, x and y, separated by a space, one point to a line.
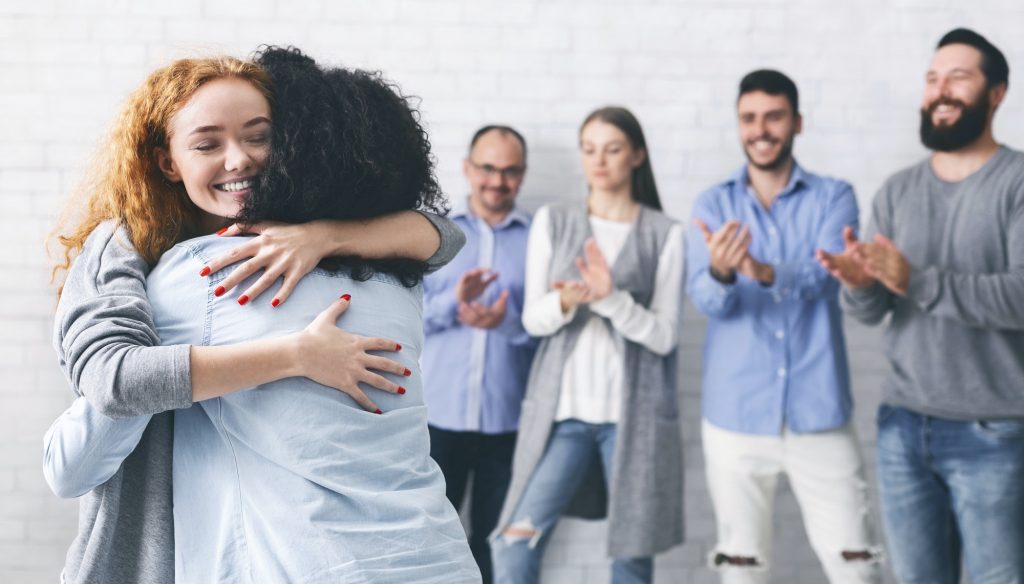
944 259
776 387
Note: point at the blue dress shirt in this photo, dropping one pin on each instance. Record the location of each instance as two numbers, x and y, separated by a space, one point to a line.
474 378
775 355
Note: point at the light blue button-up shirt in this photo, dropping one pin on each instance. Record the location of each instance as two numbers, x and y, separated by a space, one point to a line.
474 378
775 355
289 481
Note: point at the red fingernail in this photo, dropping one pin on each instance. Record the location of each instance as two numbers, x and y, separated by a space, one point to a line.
243 299
222 230
205 271
378 412
219 291
398 347
401 390
407 373
275 302
346 297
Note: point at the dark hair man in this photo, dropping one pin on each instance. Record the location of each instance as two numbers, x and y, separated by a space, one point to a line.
776 386
944 258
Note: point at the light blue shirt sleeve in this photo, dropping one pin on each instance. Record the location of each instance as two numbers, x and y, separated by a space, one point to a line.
83 448
805 279
710 296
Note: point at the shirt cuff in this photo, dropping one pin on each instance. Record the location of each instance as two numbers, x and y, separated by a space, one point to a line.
612 304
924 287
785 276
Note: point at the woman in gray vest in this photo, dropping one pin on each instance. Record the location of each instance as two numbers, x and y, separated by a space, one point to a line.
599 433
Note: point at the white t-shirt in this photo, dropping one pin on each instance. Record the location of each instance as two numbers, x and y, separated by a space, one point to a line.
592 379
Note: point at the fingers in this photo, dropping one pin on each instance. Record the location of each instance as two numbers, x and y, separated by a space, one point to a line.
290 281
256 228
884 241
705 231
238 253
484 283
264 282
236 277
386 365
594 255
361 399
379 344
725 233
382 383
230 230
333 312
849 239
501 304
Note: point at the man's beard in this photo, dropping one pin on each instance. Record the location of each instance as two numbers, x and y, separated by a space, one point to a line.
785 153
964 131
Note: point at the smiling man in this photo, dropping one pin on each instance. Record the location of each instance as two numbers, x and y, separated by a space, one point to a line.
776 387
476 354
944 258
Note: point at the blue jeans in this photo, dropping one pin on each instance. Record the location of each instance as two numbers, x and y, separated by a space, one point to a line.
573 444
488 457
950 487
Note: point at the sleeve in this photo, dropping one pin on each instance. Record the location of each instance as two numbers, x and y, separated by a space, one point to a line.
542 306
83 448
105 337
512 327
870 305
806 279
452 240
655 328
991 301
440 309
713 298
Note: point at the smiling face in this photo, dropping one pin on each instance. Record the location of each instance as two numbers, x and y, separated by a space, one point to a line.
767 125
956 108
608 156
217 144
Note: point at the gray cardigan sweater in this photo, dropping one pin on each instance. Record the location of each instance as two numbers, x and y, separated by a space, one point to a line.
644 503
109 351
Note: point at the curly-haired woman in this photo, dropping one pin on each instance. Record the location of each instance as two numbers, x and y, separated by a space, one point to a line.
196 145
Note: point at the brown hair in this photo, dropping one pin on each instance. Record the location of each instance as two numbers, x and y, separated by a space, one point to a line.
124 183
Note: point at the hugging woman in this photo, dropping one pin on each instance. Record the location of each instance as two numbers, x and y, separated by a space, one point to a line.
289 480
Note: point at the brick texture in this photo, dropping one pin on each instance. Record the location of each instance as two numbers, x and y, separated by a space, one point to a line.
539 65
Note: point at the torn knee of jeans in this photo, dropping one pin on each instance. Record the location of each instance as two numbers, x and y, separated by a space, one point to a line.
865 555
522 531
720 560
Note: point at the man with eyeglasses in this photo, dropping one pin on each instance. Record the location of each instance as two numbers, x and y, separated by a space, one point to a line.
476 354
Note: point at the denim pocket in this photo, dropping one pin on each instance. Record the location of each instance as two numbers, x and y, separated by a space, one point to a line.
884 413
1004 429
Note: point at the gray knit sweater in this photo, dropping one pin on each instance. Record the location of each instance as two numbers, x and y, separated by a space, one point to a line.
955 343
109 351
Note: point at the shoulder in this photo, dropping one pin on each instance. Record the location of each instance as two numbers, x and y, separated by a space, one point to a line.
107 259
659 220
907 179
711 199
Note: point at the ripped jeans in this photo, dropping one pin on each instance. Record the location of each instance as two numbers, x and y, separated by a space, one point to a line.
518 550
826 473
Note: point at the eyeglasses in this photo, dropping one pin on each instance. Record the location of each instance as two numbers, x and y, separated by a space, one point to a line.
508 173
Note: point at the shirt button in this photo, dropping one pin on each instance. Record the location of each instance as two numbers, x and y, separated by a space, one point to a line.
776 261
780 334
777 299
782 371
772 230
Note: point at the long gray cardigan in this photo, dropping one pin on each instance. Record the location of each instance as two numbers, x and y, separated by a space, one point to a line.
645 506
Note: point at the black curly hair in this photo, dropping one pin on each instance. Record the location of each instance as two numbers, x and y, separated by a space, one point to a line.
345 144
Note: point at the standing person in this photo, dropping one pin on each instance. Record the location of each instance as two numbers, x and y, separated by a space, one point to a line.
476 353
105 334
944 258
776 386
599 434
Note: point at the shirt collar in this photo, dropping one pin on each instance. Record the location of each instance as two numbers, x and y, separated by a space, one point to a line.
798 178
516 215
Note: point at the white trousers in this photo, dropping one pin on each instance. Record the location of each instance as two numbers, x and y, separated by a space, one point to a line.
826 472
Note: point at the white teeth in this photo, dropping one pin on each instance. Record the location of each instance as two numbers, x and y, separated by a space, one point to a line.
236 186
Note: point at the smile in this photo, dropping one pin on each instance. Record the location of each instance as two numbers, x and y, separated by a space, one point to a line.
235 186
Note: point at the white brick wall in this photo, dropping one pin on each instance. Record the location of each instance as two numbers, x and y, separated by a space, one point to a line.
540 65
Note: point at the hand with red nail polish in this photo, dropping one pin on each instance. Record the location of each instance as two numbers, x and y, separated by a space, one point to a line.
333 357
